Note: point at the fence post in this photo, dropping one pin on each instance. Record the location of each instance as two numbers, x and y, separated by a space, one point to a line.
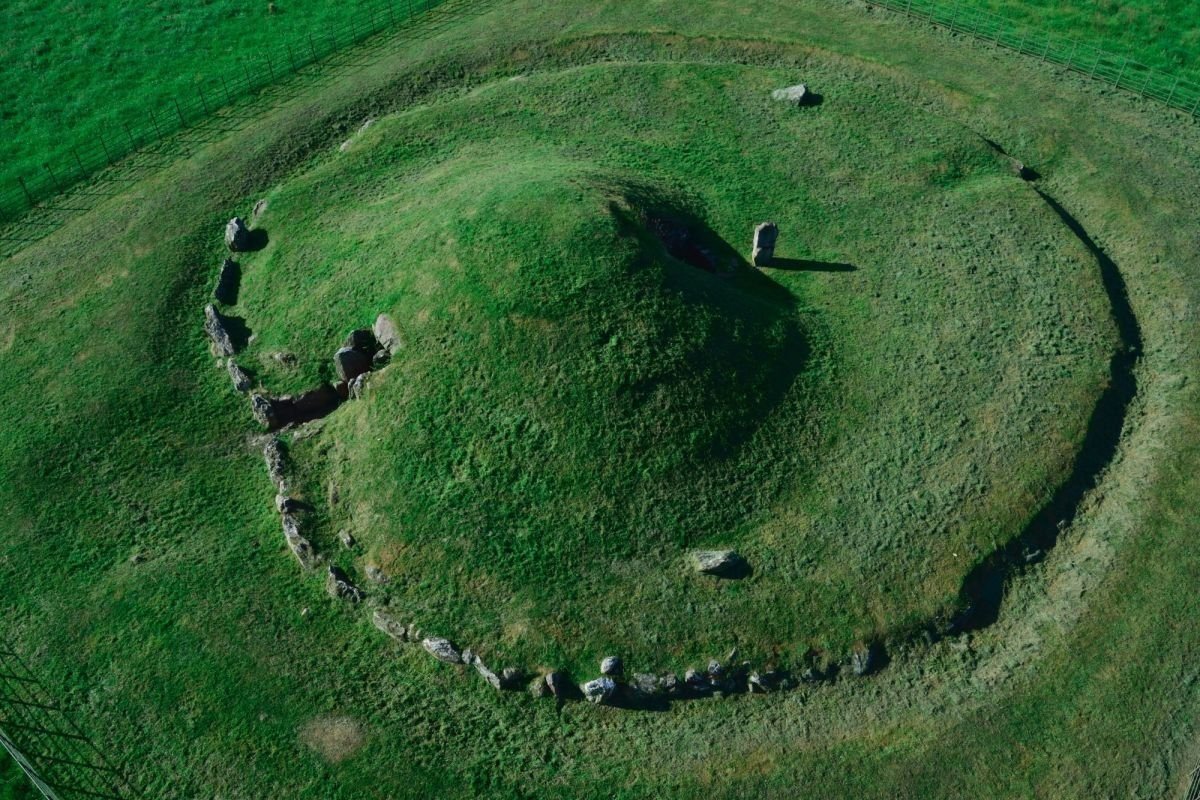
1046 52
104 144
53 177
1071 57
312 46
1121 74
203 99
1021 43
1174 86
154 122
78 161
129 133
1196 105
179 111
25 189
292 57
1149 75
270 67
246 72
1096 63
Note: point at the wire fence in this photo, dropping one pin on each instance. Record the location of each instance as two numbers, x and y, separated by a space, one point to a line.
157 122
1094 62
56 755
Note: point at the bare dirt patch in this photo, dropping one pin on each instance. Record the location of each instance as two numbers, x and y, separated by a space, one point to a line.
335 738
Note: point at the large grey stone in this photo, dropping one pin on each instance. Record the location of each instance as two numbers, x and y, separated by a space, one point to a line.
215 327
600 690
556 682
350 363
363 341
386 333
763 248
722 563
237 235
442 649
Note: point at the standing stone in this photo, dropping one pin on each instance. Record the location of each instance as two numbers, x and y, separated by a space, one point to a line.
350 363
264 411
214 326
300 547
600 690
442 649
347 539
227 282
276 463
386 333
357 387
862 660
241 381
611 666
237 235
556 682
338 584
363 341
763 252
495 680
260 207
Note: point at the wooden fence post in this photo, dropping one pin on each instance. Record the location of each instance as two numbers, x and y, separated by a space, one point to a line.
25 189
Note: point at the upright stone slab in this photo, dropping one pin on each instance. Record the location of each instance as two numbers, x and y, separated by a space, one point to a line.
214 326
350 363
237 235
228 282
386 333
763 252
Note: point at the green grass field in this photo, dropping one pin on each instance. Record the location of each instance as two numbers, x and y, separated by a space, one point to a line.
575 407
75 71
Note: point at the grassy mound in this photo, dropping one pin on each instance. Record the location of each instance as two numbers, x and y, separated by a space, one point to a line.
575 406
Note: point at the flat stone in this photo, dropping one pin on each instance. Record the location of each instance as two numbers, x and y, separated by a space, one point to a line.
215 327
389 625
442 649
376 575
797 94
722 563
489 676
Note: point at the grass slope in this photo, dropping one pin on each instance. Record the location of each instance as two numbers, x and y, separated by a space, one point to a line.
575 409
73 69
195 670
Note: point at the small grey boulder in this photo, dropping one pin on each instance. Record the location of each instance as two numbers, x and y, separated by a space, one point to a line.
338 584
386 333
611 666
797 94
390 625
600 690
762 252
722 563
241 381
442 649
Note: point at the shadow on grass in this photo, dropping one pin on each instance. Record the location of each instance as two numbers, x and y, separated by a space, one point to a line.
804 265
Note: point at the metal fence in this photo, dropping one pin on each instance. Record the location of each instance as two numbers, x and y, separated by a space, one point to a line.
42 736
1116 70
110 144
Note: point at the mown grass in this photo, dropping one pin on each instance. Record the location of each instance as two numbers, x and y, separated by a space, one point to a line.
195 670
75 70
